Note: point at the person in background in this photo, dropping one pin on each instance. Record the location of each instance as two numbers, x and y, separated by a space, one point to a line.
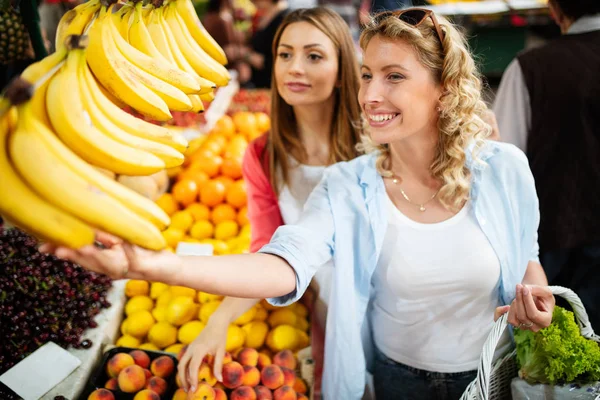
432 233
548 104
316 122
51 11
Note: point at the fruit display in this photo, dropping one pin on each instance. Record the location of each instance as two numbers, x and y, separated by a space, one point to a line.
253 100
64 115
127 373
250 375
14 39
43 299
207 201
162 317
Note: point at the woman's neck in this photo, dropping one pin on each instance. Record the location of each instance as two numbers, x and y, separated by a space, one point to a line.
314 124
412 158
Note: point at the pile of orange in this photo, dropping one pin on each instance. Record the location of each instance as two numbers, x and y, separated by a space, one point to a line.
207 201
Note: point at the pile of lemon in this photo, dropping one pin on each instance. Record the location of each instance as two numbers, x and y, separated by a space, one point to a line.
163 317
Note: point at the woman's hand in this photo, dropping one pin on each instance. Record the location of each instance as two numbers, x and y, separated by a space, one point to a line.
117 259
211 341
532 309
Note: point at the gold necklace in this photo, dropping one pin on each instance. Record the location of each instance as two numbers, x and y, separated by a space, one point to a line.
421 206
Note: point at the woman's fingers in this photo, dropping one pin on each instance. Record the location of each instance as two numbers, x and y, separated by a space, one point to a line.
107 239
218 363
193 368
500 311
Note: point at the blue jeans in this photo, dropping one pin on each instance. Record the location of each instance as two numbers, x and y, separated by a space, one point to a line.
395 381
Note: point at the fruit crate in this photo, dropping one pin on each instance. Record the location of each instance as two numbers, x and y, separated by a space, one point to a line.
99 376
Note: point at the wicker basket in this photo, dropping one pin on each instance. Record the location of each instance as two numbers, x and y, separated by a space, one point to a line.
494 378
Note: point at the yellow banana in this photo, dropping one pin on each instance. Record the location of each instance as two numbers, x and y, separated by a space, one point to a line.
58 184
171 51
115 74
186 10
26 210
37 70
208 96
135 126
121 19
197 104
170 156
140 205
71 122
74 21
202 63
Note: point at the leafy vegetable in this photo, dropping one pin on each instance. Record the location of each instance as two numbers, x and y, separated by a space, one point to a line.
557 354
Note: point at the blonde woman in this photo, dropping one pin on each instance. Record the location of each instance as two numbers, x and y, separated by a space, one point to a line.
432 234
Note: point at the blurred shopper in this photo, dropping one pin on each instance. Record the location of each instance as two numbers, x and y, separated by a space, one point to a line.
51 11
548 104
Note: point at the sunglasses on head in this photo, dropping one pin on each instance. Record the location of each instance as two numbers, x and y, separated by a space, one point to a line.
413 17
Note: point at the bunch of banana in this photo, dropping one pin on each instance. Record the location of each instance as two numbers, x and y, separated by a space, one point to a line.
54 193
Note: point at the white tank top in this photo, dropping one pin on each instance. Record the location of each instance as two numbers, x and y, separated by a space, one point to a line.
436 289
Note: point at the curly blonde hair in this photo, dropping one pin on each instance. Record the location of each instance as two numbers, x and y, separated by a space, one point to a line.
462 109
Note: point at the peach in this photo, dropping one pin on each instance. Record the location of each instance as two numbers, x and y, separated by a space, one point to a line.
243 393
205 374
146 395
285 358
219 385
112 384
162 366
285 393
233 373
301 396
263 361
236 353
267 352
248 356
289 377
220 394
181 352
148 374
251 376
180 394
157 384
203 392
263 393
117 363
209 359
300 386
141 358
101 394
132 379
272 376
227 358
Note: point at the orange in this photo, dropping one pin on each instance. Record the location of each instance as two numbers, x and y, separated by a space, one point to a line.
226 230
218 138
223 212
232 167
263 122
253 135
182 220
168 203
233 152
225 126
200 212
212 193
244 121
236 195
194 174
185 192
202 230
227 181
173 236
242 217
213 146
207 162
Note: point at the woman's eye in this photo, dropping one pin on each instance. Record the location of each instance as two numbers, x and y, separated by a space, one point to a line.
364 76
395 77
314 57
284 56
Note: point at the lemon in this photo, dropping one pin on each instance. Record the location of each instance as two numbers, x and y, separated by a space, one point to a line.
207 297
202 230
246 317
127 341
282 317
207 310
160 314
226 230
148 346
135 287
157 288
220 247
303 339
138 303
174 348
245 231
256 333
180 310
189 331
173 236
235 338
182 220
261 314
139 324
301 310
162 335
179 291
282 337
164 299
302 324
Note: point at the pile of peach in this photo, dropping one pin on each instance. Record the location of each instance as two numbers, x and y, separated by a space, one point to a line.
135 373
250 375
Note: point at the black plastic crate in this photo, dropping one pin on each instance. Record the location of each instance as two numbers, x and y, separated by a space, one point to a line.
99 376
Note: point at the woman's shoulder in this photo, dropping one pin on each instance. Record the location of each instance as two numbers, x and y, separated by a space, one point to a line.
507 164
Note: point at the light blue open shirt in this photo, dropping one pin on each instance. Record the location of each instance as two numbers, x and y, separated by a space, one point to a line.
345 218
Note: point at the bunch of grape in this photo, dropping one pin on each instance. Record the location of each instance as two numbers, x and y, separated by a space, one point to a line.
43 299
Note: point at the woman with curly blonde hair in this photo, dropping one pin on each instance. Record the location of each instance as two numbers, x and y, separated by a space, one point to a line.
433 233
